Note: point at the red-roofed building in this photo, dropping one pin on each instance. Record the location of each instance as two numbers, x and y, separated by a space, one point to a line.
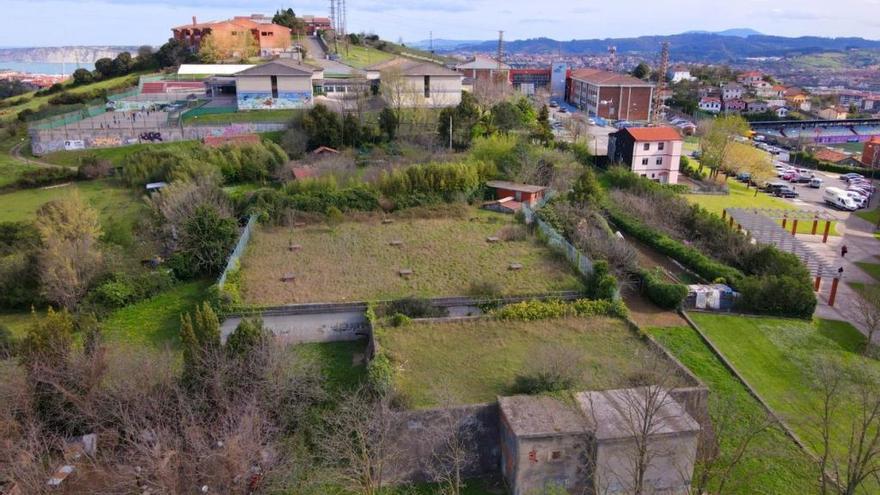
651 152
269 38
314 24
610 95
871 153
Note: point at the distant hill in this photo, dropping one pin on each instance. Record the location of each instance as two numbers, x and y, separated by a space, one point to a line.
694 47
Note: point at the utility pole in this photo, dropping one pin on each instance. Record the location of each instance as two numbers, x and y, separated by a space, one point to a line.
333 15
344 15
431 41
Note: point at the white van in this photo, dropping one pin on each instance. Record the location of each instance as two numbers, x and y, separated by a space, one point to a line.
838 198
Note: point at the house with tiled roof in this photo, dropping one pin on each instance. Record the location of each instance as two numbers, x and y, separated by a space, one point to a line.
735 105
750 78
269 38
710 104
651 152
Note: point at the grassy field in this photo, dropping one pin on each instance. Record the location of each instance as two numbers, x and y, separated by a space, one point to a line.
362 56
17 323
252 116
740 197
475 361
155 321
872 269
354 261
773 464
35 102
341 363
10 168
113 202
116 156
777 356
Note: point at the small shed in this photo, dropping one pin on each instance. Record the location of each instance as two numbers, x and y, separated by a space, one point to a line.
521 193
543 441
503 205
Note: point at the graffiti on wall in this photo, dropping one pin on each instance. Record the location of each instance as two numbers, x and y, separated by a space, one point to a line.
231 130
265 101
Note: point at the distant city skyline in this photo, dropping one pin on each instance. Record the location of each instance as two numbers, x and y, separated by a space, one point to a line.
126 22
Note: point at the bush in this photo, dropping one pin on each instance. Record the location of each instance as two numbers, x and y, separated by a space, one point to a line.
484 290
434 183
122 289
554 308
413 308
380 374
777 295
602 284
554 368
399 320
42 177
664 294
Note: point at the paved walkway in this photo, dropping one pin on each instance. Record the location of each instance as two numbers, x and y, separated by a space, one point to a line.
862 246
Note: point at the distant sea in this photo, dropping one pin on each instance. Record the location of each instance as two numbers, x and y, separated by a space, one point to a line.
44 67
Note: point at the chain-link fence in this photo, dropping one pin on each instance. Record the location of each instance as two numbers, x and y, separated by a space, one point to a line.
235 257
554 239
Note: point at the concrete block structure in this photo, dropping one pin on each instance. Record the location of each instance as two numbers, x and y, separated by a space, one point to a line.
590 445
280 84
610 95
651 152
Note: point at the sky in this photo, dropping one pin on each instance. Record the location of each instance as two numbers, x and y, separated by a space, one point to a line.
129 22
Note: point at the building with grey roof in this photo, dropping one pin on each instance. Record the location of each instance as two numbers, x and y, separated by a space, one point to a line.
279 84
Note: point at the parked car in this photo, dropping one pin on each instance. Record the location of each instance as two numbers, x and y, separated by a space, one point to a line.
816 183
743 176
786 192
771 187
849 176
562 110
801 178
553 104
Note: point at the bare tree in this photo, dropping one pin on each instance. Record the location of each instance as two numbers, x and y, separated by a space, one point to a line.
358 438
868 313
455 444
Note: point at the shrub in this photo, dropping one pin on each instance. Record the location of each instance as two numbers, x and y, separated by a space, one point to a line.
513 233
42 177
553 368
781 295
602 284
484 290
399 320
554 308
380 374
413 308
664 294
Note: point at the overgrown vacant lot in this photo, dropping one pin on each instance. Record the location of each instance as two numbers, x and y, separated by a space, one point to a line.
113 202
477 360
779 358
354 261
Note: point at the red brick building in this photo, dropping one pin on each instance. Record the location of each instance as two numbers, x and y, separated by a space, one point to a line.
610 95
510 196
314 24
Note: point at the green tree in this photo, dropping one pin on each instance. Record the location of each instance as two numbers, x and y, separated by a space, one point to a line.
82 76
351 131
506 116
323 127
717 138
122 64
173 52
200 338
543 132
389 123
248 336
209 52
459 121
286 17
642 71
104 66
207 239
586 189
48 340
527 111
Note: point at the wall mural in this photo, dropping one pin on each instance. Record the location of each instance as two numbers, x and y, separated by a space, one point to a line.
265 101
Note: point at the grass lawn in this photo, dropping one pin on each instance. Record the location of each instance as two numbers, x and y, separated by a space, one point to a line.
113 202
116 156
773 464
776 356
155 321
872 216
362 56
475 361
17 323
354 261
341 363
251 116
740 197
872 269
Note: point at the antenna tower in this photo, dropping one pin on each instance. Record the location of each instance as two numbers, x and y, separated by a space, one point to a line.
661 82
343 25
333 14
612 57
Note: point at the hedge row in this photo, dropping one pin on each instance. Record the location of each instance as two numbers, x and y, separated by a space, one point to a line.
541 310
704 266
664 294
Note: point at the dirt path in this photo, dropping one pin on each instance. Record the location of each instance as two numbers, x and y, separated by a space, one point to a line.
15 152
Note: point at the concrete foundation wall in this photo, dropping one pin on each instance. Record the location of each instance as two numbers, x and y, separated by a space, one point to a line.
305 328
